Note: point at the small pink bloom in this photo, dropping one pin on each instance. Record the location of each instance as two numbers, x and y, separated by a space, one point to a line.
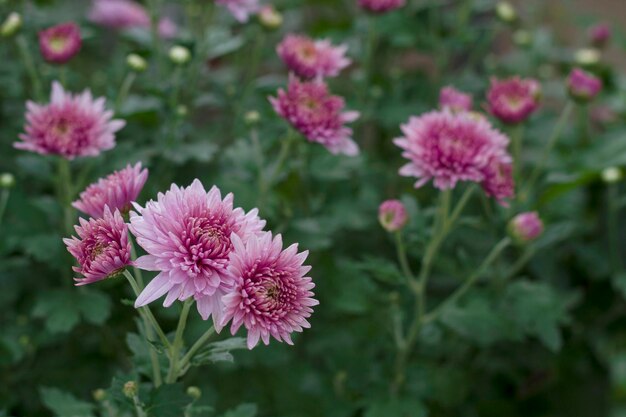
127 14
455 100
240 9
318 115
188 234
583 86
449 147
600 34
499 182
69 126
60 43
392 215
381 6
526 227
513 100
102 248
117 191
271 294
308 58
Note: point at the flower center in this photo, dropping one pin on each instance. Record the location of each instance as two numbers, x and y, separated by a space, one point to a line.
58 43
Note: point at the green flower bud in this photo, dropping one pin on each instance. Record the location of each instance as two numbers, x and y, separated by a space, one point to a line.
179 55
194 392
11 25
252 117
506 12
612 175
522 38
7 180
587 56
99 395
130 389
270 18
136 62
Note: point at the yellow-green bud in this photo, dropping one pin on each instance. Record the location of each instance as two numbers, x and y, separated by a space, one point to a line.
11 24
270 18
136 62
522 37
252 117
612 175
130 389
179 55
506 12
587 56
181 110
7 180
99 395
194 392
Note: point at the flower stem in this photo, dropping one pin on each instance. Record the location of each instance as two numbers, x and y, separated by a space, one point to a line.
612 207
124 90
4 199
196 346
403 260
154 7
65 194
517 136
138 406
556 133
173 372
519 264
29 64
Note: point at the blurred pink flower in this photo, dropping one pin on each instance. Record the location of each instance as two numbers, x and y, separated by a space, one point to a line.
309 58
513 100
127 14
117 191
392 215
318 115
499 182
69 126
600 34
381 6
583 86
60 43
526 227
240 9
102 248
188 234
271 294
455 100
449 147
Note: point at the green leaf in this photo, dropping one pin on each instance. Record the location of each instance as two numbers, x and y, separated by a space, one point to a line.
399 408
94 305
63 404
59 310
220 351
477 321
242 410
167 401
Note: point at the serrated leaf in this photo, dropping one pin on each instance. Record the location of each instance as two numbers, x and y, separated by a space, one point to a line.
220 351
95 306
242 410
59 310
399 408
63 404
477 321
168 401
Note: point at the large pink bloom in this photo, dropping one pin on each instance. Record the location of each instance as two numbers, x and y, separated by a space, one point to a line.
513 100
127 14
310 58
101 249
271 295
449 147
69 126
118 190
318 115
240 9
187 234
381 6
60 43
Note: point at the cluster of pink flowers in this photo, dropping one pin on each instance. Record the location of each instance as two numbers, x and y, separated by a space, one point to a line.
455 100
309 58
513 100
60 43
240 9
449 147
69 126
206 249
381 6
127 14
319 116
583 86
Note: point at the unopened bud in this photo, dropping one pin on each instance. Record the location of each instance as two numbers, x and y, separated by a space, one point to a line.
194 392
7 180
526 227
522 38
270 18
181 110
136 62
392 215
99 395
252 117
612 175
130 389
11 25
587 56
583 86
179 55
506 12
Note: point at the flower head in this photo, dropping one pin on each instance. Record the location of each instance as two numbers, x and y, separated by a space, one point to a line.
60 43
117 191
526 227
188 234
583 86
513 100
381 6
271 295
392 215
309 58
455 100
600 34
127 14
240 9
450 147
318 115
102 248
69 126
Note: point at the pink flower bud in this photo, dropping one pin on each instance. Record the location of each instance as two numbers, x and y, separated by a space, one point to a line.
526 227
600 35
60 43
381 6
583 86
513 100
392 215
455 100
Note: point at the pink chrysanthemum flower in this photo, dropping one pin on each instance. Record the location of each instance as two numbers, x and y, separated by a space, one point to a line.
102 248
60 43
69 126
449 147
392 215
127 14
526 227
455 100
583 86
499 182
600 35
240 9
308 58
318 115
117 191
271 294
187 234
513 100
381 6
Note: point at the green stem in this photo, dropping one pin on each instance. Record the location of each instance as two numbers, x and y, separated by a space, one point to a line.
248 78
186 360
4 199
124 90
173 372
517 136
403 260
138 407
280 161
29 64
154 7
583 124
469 283
612 192
519 264
556 134
66 194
